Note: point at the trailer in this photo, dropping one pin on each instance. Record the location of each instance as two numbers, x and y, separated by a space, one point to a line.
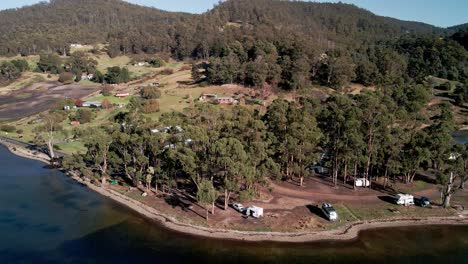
404 199
254 211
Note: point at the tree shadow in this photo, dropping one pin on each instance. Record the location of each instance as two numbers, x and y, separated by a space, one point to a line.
425 178
176 200
315 209
387 198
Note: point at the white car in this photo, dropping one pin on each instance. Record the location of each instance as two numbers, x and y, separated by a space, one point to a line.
238 207
329 212
362 182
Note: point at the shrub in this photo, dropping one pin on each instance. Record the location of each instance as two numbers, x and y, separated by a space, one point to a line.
107 90
19 131
246 195
150 106
150 92
167 71
156 62
84 116
8 128
106 104
66 77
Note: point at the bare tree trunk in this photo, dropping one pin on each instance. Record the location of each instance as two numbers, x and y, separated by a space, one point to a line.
448 192
302 181
212 208
345 172
226 199
51 149
207 212
354 175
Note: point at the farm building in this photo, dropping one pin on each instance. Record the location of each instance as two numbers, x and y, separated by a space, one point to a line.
226 100
92 104
207 97
122 95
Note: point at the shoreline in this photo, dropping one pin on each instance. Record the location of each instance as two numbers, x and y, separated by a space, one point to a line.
344 233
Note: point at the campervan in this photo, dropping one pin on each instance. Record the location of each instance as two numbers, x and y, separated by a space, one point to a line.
362 182
254 211
404 199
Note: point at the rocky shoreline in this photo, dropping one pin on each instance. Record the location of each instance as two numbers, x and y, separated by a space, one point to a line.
347 232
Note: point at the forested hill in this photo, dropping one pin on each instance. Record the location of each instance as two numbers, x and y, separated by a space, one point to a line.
328 20
133 28
56 24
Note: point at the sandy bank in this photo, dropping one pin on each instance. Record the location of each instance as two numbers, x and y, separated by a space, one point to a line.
348 232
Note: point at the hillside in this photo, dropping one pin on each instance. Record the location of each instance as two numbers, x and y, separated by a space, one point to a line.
132 28
54 25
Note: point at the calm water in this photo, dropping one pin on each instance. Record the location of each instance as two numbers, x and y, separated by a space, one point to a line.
47 218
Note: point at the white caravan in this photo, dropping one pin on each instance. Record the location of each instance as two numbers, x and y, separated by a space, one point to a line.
254 211
404 199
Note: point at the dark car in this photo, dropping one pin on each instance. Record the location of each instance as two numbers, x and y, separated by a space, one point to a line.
424 201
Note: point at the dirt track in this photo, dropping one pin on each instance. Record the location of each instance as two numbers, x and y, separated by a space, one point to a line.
39 97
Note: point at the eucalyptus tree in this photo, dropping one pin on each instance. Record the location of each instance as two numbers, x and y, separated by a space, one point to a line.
48 131
229 159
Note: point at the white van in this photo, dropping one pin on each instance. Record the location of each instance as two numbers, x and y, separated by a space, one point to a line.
362 182
404 199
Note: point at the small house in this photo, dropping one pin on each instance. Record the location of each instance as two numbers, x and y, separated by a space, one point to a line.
92 104
254 211
226 100
139 64
66 108
208 97
122 95
75 123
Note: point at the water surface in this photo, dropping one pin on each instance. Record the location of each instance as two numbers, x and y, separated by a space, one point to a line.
46 217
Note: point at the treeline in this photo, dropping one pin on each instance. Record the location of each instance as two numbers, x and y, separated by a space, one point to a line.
294 65
78 64
12 70
212 154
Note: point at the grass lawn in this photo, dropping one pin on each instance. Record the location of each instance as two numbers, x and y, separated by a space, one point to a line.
112 99
71 147
369 212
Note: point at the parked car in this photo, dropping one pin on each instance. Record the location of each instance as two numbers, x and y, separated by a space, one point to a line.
424 201
317 168
329 212
239 207
362 182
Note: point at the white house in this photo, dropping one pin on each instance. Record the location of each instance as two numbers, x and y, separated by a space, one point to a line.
92 104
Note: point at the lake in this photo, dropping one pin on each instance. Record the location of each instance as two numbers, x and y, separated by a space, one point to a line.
46 217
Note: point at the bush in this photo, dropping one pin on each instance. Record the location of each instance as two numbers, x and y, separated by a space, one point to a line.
150 92
106 104
8 128
66 77
107 90
19 131
150 106
84 116
167 71
156 62
246 195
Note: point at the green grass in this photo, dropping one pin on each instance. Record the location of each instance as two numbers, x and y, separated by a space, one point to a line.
112 99
72 147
